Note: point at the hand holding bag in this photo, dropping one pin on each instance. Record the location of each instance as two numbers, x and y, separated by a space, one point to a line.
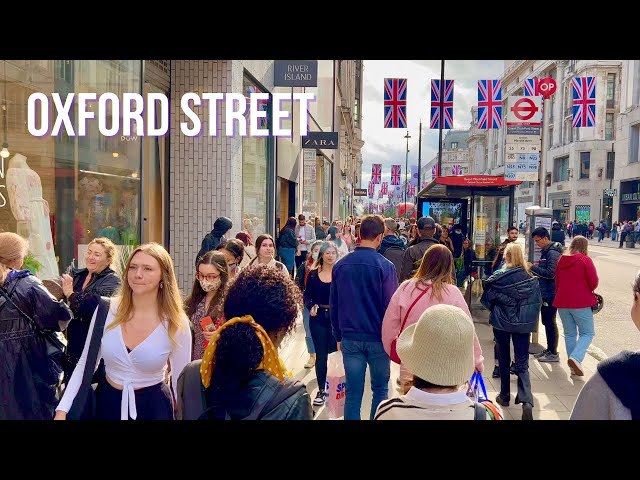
84 405
478 393
393 355
336 385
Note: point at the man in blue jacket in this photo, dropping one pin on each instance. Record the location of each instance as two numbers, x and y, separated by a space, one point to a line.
362 286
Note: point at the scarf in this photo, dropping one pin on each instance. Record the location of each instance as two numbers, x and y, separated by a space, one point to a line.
270 361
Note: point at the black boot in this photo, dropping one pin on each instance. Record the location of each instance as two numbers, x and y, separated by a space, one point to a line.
496 372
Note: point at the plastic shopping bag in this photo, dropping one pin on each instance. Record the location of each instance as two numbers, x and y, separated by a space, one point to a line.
336 385
478 393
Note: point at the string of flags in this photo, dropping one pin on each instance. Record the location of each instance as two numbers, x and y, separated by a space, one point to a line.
490 111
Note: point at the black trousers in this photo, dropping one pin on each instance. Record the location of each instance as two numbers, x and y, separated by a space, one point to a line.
521 354
324 343
300 259
152 403
548 315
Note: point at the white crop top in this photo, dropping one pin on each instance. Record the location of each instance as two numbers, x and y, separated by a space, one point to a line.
142 367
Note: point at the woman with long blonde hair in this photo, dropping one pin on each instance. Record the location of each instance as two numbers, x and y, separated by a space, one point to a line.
576 279
146 326
433 284
513 296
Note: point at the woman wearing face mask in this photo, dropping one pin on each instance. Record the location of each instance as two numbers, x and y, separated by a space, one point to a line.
233 252
207 299
334 235
316 299
301 279
82 290
265 251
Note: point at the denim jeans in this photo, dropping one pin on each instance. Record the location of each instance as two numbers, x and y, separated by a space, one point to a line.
287 255
307 331
577 322
356 355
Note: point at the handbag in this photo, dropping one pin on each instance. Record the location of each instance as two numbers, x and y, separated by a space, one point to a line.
393 354
84 404
600 303
478 393
55 347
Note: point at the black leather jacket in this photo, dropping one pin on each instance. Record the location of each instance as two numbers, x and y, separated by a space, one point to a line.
26 390
83 303
513 297
239 404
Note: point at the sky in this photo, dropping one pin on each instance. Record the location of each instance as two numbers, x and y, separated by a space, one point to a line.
388 145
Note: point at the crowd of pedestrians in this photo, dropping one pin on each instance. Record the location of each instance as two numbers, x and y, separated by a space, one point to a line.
366 287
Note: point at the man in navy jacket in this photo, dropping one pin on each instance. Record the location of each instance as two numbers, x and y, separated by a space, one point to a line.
362 286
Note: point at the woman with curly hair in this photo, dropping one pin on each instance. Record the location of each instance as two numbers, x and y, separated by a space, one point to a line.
240 372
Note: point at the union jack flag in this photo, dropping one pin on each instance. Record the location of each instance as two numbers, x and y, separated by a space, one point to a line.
434 171
380 194
456 169
584 101
531 87
385 188
395 174
395 103
376 173
447 104
411 190
261 104
371 189
489 104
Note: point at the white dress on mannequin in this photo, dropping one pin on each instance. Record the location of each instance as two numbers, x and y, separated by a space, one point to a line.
32 214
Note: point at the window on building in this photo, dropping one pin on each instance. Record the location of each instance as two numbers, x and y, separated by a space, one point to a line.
611 90
634 143
585 163
454 145
608 127
611 164
561 169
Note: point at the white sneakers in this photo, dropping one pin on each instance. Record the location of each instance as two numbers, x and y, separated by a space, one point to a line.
576 367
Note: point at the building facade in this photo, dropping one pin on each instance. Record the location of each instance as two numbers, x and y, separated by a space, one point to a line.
61 191
455 156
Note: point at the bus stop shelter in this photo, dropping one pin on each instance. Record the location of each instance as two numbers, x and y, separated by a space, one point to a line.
482 205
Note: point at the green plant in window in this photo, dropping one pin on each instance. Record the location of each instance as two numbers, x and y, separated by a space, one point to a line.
30 263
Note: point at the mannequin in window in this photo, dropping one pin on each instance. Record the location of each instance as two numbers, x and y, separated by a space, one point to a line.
31 212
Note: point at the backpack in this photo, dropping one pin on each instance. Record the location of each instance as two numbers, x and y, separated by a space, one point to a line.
193 404
394 254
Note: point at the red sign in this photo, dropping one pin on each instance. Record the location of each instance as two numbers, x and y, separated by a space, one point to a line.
476 181
524 109
547 87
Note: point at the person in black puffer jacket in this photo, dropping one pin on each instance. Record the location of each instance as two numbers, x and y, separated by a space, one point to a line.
240 375
513 296
28 384
557 235
212 239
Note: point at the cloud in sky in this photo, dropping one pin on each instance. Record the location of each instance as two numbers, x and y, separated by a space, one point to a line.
388 145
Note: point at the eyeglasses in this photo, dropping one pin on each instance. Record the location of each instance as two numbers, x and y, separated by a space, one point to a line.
210 277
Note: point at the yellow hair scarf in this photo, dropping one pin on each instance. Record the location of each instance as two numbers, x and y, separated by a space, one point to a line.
270 361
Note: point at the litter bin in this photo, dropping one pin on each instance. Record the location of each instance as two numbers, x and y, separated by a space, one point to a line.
630 241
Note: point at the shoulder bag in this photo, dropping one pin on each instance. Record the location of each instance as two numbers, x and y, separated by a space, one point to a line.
84 405
393 355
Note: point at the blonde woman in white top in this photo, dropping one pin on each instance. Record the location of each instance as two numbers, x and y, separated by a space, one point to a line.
146 326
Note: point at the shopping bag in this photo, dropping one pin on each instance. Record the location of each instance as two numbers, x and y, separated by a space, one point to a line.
335 386
478 393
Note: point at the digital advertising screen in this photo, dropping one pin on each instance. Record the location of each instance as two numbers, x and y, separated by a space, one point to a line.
445 213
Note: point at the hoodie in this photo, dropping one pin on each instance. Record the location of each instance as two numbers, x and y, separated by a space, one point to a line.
557 235
612 392
391 241
211 240
576 279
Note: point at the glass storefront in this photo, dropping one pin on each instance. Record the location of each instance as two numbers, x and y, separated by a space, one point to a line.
61 192
317 186
256 155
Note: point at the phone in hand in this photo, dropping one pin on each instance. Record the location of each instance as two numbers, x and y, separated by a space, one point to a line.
207 325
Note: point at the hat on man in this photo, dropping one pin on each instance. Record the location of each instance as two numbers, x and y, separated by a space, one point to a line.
438 348
426 222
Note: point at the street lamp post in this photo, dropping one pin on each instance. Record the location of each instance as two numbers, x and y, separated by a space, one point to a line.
406 167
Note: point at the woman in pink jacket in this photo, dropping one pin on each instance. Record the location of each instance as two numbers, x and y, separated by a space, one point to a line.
576 279
435 284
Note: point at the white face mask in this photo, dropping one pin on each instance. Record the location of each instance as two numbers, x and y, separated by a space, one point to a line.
208 286
314 255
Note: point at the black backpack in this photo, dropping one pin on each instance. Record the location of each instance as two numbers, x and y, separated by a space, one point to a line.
394 254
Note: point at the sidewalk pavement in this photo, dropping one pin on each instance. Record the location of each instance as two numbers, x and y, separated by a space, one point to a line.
554 390
607 242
